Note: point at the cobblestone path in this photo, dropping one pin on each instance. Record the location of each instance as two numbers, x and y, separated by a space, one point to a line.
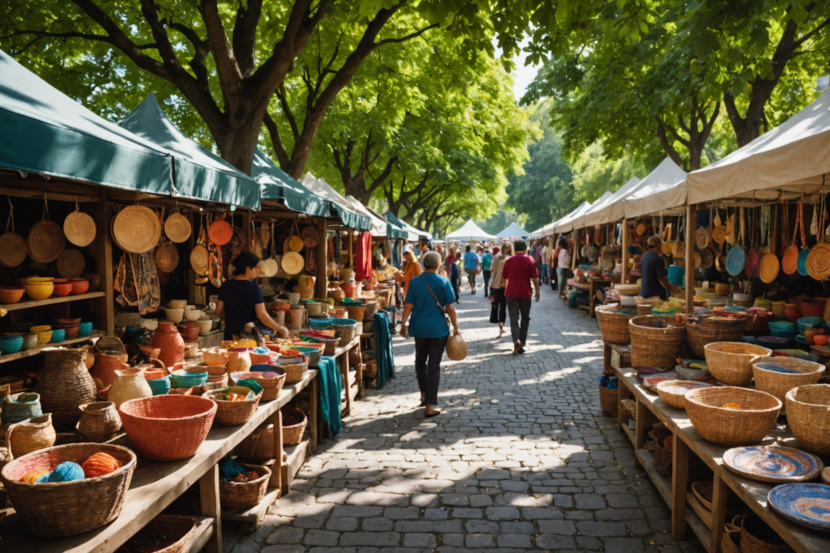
521 458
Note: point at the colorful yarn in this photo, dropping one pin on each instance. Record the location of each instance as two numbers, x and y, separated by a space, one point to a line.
230 470
33 475
252 384
100 464
43 479
67 472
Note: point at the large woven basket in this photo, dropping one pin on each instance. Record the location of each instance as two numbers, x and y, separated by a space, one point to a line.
232 413
758 537
240 495
292 435
608 400
346 333
731 362
808 412
702 332
655 347
777 383
68 508
295 372
162 530
732 427
167 428
614 327
667 391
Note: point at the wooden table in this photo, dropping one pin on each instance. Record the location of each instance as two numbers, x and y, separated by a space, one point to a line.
615 356
650 409
155 485
351 385
592 286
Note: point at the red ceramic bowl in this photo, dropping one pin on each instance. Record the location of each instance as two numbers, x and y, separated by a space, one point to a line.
62 289
71 331
79 286
60 280
11 294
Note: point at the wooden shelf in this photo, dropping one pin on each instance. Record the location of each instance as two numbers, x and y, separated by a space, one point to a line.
296 456
660 482
699 527
37 349
628 432
204 530
28 304
253 516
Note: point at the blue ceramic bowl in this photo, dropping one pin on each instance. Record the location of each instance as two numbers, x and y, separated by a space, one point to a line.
84 329
262 368
781 325
319 324
58 335
183 379
788 334
343 322
810 322
772 342
10 344
160 386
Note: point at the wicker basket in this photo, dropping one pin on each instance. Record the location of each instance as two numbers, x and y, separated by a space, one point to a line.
241 495
607 400
295 372
666 391
644 309
663 460
160 531
271 386
731 362
67 508
808 413
701 332
778 384
167 428
704 491
259 444
731 540
232 413
758 537
292 435
346 333
732 427
758 324
614 327
655 347
631 406
330 343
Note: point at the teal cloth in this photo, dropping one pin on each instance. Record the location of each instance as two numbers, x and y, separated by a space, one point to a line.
330 390
383 348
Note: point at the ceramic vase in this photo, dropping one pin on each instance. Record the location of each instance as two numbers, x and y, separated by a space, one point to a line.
170 342
64 385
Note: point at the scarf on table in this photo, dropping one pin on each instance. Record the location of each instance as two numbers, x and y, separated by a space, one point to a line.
383 349
330 390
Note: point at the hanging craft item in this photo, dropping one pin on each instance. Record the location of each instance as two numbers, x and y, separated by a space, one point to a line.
701 236
769 263
789 261
269 266
814 222
310 260
256 243
199 256
215 259
292 262
736 257
45 241
12 246
220 232
720 261
79 227
237 240
678 247
70 264
310 236
707 258
294 243
136 229
167 257
753 256
818 260
177 228
731 231
720 232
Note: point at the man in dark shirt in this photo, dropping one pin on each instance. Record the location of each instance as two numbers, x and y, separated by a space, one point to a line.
653 272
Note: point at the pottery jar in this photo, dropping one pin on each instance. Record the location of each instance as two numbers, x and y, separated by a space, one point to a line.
238 362
348 289
171 343
189 330
99 422
130 384
30 435
64 385
106 363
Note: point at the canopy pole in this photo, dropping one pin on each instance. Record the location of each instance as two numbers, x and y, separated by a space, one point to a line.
691 210
351 249
321 286
624 278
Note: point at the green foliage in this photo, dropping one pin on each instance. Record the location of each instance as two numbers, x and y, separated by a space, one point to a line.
593 174
501 220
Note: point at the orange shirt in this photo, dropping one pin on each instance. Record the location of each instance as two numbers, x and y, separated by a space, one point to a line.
412 270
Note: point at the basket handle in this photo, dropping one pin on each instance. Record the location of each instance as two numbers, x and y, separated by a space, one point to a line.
160 364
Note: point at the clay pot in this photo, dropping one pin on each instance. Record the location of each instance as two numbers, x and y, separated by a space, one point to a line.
130 384
189 330
154 370
348 289
99 422
64 385
337 313
30 435
238 362
106 363
170 342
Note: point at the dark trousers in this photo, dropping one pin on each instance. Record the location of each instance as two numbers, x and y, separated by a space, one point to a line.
554 277
428 354
486 282
519 307
501 301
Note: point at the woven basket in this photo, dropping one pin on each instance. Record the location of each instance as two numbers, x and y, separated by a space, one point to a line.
702 332
45 242
137 229
731 540
818 261
666 391
70 263
778 384
232 413
607 399
99 421
655 347
732 427
731 362
162 530
704 491
292 435
346 333
663 460
331 344
758 537
614 327
295 372
631 406
271 386
241 495
167 428
356 312
177 228
758 323
68 508
260 443
808 413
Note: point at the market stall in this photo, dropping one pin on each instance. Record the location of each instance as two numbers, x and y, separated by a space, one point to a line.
513 231
470 232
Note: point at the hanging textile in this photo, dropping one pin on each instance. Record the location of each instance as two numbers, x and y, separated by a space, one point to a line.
383 349
330 391
146 281
396 254
363 257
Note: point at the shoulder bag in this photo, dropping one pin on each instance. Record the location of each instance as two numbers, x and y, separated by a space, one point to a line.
456 346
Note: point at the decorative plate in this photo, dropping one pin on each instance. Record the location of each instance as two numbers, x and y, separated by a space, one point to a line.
651 382
773 464
805 504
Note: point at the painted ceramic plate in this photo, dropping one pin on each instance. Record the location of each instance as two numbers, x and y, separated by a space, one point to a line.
652 381
773 464
805 504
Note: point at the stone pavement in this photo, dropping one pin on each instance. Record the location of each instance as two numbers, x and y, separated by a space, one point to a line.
521 458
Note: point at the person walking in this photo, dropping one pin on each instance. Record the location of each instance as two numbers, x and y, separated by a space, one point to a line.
563 267
543 276
519 271
486 261
428 303
497 290
553 263
472 266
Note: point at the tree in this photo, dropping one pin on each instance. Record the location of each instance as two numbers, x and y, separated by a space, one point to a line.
593 174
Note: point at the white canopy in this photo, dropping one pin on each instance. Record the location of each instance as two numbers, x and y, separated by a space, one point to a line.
662 191
792 156
609 210
378 224
513 230
538 233
566 223
470 231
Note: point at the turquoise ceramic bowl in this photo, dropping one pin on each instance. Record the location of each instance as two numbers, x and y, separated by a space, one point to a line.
84 329
58 335
183 379
160 386
10 344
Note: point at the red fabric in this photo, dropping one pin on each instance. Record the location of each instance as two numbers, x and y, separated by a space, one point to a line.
363 257
518 270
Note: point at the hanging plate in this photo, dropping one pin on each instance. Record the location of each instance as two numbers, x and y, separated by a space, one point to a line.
735 260
802 261
136 229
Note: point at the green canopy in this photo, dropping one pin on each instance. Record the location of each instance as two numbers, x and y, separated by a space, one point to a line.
199 173
46 132
278 185
394 231
412 233
343 209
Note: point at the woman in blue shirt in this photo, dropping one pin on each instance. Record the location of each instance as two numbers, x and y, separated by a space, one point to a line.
429 327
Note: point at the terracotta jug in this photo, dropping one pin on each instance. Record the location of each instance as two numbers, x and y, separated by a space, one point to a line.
106 364
99 422
189 330
64 385
171 343
238 362
130 384
30 435
154 370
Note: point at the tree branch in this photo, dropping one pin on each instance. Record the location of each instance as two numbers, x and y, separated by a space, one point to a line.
286 109
664 142
276 143
405 37
244 35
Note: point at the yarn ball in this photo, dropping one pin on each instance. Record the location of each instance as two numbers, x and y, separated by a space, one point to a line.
43 479
229 470
100 464
33 476
67 472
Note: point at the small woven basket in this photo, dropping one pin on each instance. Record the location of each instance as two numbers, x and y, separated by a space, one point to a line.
731 540
346 333
295 372
271 386
808 413
232 413
732 427
703 491
162 530
260 444
663 459
292 435
331 345
607 400
614 327
758 537
241 495
777 383
702 332
731 362
655 347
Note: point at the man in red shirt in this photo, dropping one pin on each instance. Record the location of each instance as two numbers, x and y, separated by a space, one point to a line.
519 271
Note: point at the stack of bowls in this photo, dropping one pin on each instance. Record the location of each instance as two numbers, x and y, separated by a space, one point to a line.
62 287
39 288
783 329
807 328
779 307
44 333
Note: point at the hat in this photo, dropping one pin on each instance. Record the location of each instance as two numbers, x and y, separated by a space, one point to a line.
407 249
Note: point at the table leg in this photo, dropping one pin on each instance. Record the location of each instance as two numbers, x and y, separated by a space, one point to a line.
592 299
719 497
276 420
680 474
640 429
209 493
344 371
313 407
606 359
621 395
